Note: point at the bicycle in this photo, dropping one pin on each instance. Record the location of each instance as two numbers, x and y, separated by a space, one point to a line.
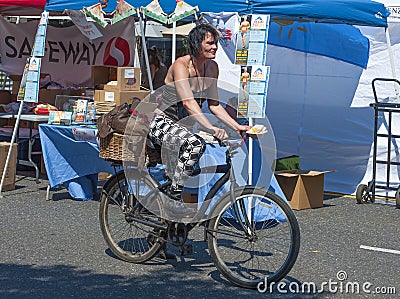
244 249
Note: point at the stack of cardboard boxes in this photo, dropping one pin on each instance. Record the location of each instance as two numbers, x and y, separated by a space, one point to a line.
117 84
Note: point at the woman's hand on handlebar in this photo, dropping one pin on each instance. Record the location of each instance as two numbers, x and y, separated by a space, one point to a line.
219 133
241 129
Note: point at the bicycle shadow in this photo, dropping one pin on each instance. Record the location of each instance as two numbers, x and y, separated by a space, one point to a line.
154 261
200 261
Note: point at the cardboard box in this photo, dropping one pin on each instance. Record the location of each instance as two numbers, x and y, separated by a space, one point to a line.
128 78
102 74
111 87
119 97
9 180
304 189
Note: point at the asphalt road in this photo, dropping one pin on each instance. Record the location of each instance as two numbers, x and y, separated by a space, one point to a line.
54 249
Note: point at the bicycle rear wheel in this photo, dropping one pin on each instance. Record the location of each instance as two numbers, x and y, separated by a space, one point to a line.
263 250
124 222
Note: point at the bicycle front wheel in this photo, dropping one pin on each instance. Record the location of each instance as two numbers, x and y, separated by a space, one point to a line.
255 239
125 223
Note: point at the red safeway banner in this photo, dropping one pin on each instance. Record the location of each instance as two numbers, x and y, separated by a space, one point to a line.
24 3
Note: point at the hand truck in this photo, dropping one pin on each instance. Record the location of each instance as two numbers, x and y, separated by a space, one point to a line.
366 193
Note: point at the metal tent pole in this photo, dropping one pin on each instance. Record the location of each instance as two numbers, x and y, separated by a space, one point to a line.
391 59
173 41
146 56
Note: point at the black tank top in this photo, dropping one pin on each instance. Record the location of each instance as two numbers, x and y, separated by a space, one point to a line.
172 105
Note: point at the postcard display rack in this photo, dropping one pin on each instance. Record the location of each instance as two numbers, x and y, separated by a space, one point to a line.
251 52
29 88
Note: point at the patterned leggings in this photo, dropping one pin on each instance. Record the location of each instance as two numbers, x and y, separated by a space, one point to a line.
177 143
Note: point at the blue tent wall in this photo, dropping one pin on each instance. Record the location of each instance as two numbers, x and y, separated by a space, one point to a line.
354 12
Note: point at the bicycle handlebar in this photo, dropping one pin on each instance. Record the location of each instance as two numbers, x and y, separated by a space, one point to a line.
207 130
222 143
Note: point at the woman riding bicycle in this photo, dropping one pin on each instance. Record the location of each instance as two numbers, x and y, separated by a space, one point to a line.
183 96
252 234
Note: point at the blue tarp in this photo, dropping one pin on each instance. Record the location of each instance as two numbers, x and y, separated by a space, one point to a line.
339 41
354 12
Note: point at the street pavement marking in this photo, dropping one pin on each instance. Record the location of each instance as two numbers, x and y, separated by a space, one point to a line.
380 249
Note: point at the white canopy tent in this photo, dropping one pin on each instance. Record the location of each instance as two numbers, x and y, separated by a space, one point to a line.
153 29
182 30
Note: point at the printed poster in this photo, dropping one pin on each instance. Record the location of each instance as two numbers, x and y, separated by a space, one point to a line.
251 42
40 39
21 90
81 111
32 80
252 95
251 52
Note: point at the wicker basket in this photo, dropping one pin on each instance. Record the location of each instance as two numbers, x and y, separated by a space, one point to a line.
111 147
115 148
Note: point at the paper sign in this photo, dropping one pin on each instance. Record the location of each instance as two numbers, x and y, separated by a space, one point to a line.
87 28
84 134
109 96
129 73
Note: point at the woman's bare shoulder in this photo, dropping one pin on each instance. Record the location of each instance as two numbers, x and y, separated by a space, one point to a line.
180 68
182 61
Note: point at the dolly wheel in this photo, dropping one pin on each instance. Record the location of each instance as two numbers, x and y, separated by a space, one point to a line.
398 198
362 194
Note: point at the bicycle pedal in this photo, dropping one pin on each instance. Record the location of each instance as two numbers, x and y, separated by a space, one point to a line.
186 249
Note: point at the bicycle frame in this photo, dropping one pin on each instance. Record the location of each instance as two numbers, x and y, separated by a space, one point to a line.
228 175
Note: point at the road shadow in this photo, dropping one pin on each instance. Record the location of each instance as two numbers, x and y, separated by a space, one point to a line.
63 281
200 262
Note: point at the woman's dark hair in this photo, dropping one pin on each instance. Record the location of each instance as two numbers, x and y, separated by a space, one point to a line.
197 35
153 56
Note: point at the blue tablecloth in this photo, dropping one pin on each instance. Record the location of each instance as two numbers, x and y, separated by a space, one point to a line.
71 157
